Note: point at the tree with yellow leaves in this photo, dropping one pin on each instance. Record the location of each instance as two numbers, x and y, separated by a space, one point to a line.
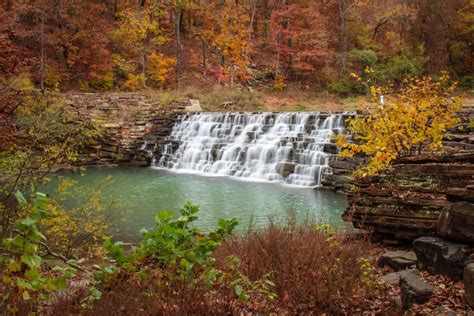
78 218
231 38
137 36
409 122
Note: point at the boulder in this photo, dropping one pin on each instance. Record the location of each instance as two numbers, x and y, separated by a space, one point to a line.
194 106
285 168
468 279
439 256
414 290
457 222
394 277
397 260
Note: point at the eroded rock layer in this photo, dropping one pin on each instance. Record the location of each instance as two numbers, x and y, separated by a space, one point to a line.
425 195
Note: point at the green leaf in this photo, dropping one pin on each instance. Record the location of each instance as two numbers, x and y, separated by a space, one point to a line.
32 274
238 290
35 235
40 200
163 217
39 214
21 283
27 221
58 284
33 261
95 293
20 198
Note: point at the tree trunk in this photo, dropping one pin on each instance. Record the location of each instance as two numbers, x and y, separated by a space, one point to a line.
232 75
342 36
204 61
178 46
42 54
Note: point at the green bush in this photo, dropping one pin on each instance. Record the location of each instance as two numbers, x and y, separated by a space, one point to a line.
23 284
364 57
467 82
346 87
402 66
175 264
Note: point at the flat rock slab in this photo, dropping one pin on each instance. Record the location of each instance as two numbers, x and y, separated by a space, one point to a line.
414 290
394 277
468 280
438 256
194 106
397 260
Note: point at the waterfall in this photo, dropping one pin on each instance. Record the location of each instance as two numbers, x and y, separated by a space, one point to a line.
288 147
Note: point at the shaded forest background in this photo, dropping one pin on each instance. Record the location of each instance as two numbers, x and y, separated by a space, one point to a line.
104 45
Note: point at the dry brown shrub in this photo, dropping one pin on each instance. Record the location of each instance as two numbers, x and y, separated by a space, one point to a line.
315 272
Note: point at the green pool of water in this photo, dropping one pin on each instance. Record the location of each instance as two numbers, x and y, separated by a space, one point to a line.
144 191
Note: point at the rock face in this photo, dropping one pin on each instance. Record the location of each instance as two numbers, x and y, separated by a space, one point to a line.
408 201
397 260
339 178
437 255
457 223
414 290
416 198
468 280
133 126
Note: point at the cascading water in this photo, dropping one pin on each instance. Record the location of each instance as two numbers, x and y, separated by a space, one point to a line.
285 147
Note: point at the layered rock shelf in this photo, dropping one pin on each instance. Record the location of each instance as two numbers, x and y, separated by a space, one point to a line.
126 122
425 195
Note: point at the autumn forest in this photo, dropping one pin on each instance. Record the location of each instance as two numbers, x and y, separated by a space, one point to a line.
236 157
133 45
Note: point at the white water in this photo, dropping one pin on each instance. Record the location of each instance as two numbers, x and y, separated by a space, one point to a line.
284 147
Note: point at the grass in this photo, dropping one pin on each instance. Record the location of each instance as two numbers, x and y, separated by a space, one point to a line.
295 98
219 98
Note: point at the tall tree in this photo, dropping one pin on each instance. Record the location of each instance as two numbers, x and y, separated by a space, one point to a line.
231 35
138 34
299 38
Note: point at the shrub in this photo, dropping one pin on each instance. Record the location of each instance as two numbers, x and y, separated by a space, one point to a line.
314 270
346 87
24 286
46 135
173 271
78 218
402 66
364 58
412 120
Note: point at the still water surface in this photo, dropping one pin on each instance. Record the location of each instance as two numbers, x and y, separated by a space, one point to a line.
144 191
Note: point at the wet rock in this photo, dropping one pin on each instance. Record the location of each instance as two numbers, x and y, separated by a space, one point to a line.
394 277
439 256
457 222
285 168
343 165
397 260
331 149
414 290
468 280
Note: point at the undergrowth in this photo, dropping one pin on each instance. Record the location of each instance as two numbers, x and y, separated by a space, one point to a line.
289 269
